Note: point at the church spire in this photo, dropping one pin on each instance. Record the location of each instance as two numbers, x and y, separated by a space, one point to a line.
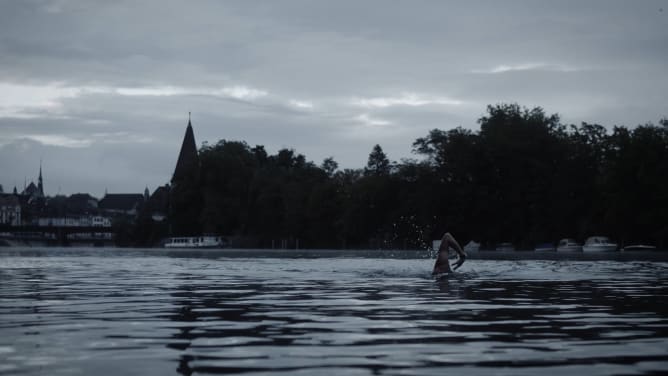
188 162
40 185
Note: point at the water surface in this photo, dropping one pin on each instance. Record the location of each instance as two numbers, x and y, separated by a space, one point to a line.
143 313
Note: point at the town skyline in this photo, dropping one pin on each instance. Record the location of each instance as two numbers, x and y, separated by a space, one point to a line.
29 184
490 184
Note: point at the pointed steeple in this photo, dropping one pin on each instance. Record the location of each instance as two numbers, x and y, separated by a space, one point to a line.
40 185
188 162
146 194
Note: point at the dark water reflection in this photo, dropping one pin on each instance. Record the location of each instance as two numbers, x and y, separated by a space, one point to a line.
165 315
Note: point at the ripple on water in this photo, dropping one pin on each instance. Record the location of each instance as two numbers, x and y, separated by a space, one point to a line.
272 316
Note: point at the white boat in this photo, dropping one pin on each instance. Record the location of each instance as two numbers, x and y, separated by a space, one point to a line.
639 247
599 244
206 241
569 245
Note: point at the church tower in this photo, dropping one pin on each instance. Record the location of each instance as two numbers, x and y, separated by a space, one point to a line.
40 185
185 198
187 166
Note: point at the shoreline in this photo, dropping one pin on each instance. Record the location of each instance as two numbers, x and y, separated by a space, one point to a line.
325 253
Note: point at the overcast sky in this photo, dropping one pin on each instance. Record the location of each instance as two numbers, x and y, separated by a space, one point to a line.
101 90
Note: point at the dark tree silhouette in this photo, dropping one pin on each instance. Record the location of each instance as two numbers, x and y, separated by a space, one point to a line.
330 166
378 163
522 177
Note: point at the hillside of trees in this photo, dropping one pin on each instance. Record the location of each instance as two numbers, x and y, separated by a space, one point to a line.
523 177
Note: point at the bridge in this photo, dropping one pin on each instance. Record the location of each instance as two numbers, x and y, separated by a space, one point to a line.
57 235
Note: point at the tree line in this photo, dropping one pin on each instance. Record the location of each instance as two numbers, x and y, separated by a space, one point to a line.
523 177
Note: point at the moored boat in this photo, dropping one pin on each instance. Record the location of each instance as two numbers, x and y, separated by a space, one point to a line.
206 241
569 245
599 244
639 247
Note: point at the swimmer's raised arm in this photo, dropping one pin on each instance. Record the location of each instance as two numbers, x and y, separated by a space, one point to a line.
461 255
442 265
449 239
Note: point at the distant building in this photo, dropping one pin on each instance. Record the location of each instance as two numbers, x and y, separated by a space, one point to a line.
75 221
185 199
32 191
121 203
99 221
10 210
158 203
81 203
187 166
35 191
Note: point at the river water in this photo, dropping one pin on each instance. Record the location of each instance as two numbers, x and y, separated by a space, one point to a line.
160 313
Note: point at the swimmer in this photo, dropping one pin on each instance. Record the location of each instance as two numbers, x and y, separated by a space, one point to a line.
442 264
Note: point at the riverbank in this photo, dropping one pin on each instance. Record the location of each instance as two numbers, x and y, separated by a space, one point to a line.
328 253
